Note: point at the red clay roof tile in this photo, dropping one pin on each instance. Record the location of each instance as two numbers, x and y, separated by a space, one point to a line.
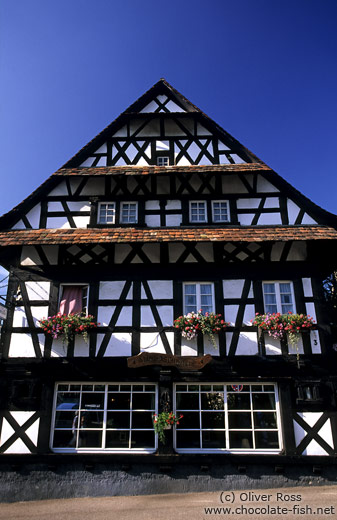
125 235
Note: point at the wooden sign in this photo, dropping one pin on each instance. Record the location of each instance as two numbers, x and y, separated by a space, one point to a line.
188 363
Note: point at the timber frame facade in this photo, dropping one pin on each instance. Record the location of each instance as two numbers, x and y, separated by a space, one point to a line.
162 212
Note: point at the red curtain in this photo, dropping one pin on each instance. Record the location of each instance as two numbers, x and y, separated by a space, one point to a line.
71 301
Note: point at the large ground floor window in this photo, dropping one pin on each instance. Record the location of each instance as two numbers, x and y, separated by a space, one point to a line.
109 417
227 417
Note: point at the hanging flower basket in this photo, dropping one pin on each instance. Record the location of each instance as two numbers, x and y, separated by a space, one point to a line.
164 421
67 326
208 324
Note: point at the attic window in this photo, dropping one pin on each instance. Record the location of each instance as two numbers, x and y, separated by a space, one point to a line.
163 161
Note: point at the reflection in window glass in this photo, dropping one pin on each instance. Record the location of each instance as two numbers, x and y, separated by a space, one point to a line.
104 417
232 417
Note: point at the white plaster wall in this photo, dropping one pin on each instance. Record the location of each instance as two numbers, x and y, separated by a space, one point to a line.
160 289
173 107
172 129
237 159
33 216
308 220
29 256
231 311
173 220
55 206
232 184
189 347
272 202
121 252
223 159
105 313
269 219
94 186
122 132
251 203
151 107
296 349
80 205
32 432
81 222
307 287
152 204
277 250
51 253
21 345
173 204
310 310
298 251
233 289
60 189
206 251
38 290
152 251
20 318
175 251
88 162
265 186
245 219
325 432
112 290
19 225
201 130
151 342
81 347
165 313
102 149
247 344
222 146
273 345
152 129
57 223
293 211
152 220
163 185
315 342
119 344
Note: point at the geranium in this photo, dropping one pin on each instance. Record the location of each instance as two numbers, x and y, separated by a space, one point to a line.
164 421
208 324
282 325
68 325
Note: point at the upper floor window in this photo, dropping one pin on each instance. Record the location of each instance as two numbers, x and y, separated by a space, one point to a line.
198 296
220 211
278 297
74 299
163 161
128 213
198 211
106 213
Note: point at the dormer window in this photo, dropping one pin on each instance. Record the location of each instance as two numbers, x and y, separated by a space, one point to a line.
198 212
129 213
220 211
106 213
163 160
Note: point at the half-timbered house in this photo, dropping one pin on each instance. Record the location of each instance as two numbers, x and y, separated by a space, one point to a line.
161 214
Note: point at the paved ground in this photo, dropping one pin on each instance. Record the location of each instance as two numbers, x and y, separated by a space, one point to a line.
293 503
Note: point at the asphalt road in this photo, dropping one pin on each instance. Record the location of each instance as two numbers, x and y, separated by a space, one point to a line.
293 503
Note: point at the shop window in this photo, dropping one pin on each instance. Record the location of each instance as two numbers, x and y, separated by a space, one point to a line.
104 417
278 297
74 299
220 211
198 212
227 417
198 296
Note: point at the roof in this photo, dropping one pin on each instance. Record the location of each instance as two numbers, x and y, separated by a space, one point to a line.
21 237
147 170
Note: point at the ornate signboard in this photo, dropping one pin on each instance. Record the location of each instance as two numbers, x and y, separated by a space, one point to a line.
186 363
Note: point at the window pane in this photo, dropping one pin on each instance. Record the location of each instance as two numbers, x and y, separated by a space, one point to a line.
189 439
239 420
92 401
190 420
212 401
238 401
212 440
145 439
142 420
90 439
265 440
117 401
213 420
117 439
242 440
143 401
91 419
187 401
264 401
265 420
118 420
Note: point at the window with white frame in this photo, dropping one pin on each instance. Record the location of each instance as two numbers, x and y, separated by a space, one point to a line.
198 211
104 417
106 212
278 297
129 213
198 296
163 161
73 298
220 211
227 417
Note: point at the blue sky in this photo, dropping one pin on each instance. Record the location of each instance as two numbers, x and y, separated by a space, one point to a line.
265 70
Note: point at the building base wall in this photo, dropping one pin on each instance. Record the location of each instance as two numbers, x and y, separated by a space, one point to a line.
40 481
